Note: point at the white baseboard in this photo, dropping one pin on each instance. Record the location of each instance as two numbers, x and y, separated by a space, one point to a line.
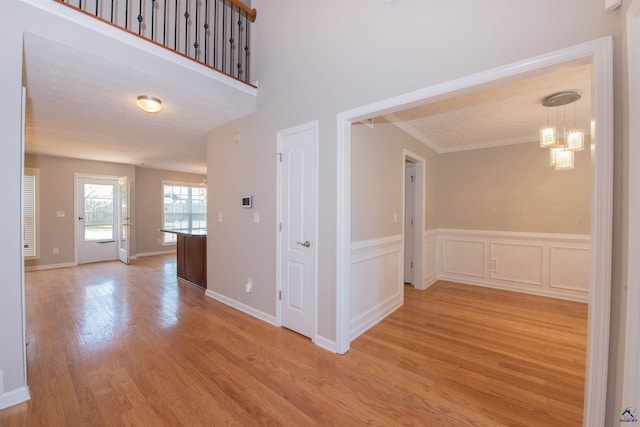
374 315
171 251
325 343
14 397
50 266
242 307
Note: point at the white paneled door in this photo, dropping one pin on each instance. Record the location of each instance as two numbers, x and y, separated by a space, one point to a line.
297 229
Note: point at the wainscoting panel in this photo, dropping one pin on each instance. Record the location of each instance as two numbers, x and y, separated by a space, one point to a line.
569 268
430 258
463 257
553 265
517 263
377 287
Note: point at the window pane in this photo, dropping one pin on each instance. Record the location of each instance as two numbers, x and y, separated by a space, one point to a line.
184 207
98 212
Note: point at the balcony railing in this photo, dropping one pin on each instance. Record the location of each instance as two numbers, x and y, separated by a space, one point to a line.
215 33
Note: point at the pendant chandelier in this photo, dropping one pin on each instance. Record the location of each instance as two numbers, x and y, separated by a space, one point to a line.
561 147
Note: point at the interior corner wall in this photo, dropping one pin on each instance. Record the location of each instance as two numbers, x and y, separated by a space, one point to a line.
149 206
377 176
513 188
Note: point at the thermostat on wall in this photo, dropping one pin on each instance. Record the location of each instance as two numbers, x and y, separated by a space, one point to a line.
247 201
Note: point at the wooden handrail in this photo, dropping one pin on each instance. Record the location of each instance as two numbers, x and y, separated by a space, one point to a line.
251 13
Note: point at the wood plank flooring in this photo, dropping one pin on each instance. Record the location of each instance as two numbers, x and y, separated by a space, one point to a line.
113 345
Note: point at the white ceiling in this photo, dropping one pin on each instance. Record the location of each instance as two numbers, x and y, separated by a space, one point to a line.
508 113
81 105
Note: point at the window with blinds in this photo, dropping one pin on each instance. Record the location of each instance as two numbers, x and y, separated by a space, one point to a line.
185 206
30 213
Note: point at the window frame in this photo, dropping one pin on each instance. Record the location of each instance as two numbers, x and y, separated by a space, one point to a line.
190 186
35 172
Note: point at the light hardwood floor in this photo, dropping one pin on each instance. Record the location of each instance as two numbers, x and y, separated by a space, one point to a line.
114 345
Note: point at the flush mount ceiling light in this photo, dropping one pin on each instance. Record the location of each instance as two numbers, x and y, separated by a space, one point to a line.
562 146
149 104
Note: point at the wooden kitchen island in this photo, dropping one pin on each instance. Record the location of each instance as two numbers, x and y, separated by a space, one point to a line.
191 255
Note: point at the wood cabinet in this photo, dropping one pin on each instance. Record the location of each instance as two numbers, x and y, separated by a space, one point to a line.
192 259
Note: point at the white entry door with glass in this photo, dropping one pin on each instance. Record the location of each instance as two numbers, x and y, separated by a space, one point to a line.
97 220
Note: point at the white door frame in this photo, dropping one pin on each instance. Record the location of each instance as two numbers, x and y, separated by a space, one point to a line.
600 53
631 374
418 215
313 126
77 176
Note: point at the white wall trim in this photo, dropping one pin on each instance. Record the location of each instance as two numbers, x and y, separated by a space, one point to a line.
51 266
265 317
14 397
631 374
600 51
325 343
476 259
377 273
143 254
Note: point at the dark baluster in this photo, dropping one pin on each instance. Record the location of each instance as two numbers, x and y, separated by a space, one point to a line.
165 17
231 41
239 65
153 11
246 47
186 29
140 18
206 28
215 33
80 5
112 1
222 42
126 14
197 31
97 2
175 28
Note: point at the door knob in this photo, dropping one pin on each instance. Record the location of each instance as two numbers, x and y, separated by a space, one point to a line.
80 218
306 244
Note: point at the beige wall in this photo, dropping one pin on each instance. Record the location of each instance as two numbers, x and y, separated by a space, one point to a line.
57 180
505 188
377 177
513 188
148 219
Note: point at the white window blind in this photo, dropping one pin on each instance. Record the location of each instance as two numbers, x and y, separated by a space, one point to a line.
30 213
184 206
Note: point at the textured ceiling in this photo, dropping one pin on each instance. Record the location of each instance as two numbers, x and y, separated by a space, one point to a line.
508 113
83 106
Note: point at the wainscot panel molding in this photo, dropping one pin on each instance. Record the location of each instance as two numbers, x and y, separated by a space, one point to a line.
377 283
430 258
242 307
553 265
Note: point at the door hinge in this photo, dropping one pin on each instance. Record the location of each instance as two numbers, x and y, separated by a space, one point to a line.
411 264
279 295
280 226
411 178
279 157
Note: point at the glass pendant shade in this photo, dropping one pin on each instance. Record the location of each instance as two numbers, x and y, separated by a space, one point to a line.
564 160
575 140
548 137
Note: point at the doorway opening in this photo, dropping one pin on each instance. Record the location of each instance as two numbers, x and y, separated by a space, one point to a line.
414 219
101 212
599 54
